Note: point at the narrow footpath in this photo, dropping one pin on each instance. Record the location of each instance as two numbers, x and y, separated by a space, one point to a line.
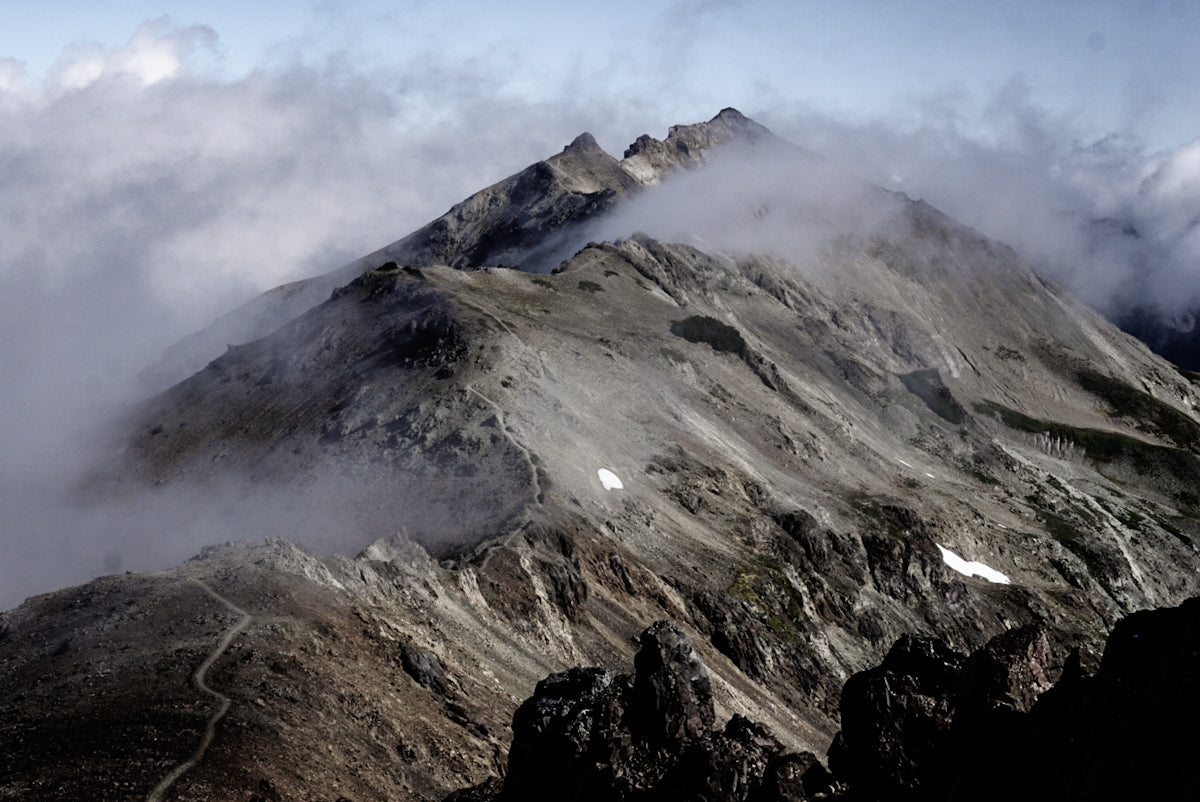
222 700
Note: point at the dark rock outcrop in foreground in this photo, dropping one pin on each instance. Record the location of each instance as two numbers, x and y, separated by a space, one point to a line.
590 734
1013 720
930 723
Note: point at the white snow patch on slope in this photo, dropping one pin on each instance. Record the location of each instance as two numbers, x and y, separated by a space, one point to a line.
971 568
609 479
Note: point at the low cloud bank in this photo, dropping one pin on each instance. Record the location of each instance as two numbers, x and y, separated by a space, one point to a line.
766 197
1119 227
143 195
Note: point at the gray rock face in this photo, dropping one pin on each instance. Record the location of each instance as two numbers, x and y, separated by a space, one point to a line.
689 146
672 695
806 442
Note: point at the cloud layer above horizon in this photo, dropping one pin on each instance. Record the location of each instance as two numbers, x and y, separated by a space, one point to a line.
145 191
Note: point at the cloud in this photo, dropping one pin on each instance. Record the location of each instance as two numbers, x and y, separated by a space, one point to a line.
1112 223
155 53
144 194
768 197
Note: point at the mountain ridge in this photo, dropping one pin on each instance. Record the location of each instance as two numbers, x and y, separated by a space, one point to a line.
583 173
796 437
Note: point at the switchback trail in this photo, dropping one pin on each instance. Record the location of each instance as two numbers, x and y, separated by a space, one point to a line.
222 700
533 473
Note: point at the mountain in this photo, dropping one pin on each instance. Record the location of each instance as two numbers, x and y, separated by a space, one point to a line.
798 415
519 222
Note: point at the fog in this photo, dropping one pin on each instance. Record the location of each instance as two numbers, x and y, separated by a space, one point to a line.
143 195
1115 224
769 197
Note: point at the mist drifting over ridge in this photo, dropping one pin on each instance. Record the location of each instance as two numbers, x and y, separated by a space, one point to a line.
766 197
143 197
1114 224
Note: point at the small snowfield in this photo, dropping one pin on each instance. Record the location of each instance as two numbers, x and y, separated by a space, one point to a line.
971 568
609 479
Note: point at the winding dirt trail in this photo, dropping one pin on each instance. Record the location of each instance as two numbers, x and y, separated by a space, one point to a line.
222 700
533 474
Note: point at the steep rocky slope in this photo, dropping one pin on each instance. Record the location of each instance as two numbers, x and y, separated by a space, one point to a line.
780 451
523 221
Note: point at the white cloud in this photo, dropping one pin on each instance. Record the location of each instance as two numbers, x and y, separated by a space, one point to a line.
1114 224
153 195
12 76
155 53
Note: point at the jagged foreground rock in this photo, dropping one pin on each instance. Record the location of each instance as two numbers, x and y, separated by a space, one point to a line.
1014 720
591 734
795 434
930 723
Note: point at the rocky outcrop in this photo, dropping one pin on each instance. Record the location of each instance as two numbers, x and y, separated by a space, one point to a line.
516 222
896 722
591 734
687 146
933 724
672 696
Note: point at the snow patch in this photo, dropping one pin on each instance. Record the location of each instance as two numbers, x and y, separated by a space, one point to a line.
972 568
609 480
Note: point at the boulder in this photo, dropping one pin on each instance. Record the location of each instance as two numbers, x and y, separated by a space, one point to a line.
592 735
672 696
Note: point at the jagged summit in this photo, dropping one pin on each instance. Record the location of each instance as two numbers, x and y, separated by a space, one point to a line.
518 222
584 143
688 146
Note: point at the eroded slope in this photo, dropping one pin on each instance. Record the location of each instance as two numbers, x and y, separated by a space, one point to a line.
797 437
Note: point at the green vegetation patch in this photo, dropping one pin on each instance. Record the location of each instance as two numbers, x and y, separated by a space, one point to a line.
743 587
700 329
773 595
590 286
1100 445
927 385
1151 415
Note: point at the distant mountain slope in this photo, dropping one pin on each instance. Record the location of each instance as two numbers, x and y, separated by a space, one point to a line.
776 449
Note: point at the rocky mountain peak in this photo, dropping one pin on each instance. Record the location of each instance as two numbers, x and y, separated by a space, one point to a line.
584 143
650 160
522 221
816 451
